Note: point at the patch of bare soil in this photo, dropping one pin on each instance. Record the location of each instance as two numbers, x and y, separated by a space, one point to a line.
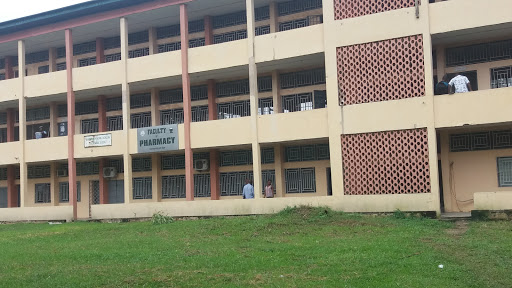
460 229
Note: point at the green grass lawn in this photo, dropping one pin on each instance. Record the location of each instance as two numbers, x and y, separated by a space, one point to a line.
295 248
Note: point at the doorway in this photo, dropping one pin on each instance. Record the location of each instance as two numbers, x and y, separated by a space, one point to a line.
115 191
329 182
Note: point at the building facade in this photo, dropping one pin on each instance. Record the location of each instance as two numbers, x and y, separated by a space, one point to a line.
331 100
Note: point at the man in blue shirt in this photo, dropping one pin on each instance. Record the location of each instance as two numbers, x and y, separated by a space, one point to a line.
248 192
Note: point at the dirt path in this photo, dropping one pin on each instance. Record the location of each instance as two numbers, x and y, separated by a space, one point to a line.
461 226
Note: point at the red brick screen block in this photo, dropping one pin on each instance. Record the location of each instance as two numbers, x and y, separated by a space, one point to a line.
344 9
381 71
394 162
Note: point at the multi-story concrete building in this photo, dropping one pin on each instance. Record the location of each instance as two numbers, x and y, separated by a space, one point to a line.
332 100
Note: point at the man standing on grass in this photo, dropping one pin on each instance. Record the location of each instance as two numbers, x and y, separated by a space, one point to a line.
248 192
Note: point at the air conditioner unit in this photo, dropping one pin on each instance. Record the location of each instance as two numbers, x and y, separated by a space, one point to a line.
62 173
109 172
201 165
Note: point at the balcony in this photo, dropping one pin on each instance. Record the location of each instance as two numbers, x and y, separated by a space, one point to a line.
228 132
10 153
102 75
154 66
11 89
46 84
46 149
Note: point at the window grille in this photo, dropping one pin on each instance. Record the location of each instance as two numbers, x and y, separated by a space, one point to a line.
294 24
138 37
37 57
199 113
434 59
142 188
235 158
87 168
89 126
3 118
84 48
42 193
307 153
43 69
232 88
95 187
303 78
168 31
141 164
320 98
300 180
490 140
501 77
173 116
262 13
36 114
198 42
88 107
140 100
87 62
201 155
505 171
173 162
115 123
171 96
234 109
61 66
113 57
138 53
297 6
297 102
2 76
114 104
262 30
229 36
116 163
64 192
202 185
199 92
232 183
3 174
265 106
61 52
265 84
227 20
112 42
168 47
195 26
3 135
479 53
2 63
140 120
173 187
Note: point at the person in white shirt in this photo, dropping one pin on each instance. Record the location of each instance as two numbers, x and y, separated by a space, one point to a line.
460 84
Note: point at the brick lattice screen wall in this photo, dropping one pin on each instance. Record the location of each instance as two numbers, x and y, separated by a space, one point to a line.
394 162
344 9
381 71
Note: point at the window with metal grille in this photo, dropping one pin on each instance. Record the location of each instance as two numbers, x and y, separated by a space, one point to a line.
112 43
138 53
114 104
300 180
173 116
115 123
95 187
3 174
3 118
113 57
87 168
2 76
141 164
142 188
43 69
61 66
229 36
86 62
199 92
32 129
479 53
232 183
489 140
307 153
61 52
173 162
88 107
116 163
36 114
297 102
303 78
235 158
84 48
140 100
138 37
196 26
3 135
262 30
197 42
267 155
234 109
505 171
265 106
173 187
140 120
201 155
2 63
37 57
168 47
199 113
232 19
202 185
64 192
501 77
297 6
42 193
241 87
62 110
262 13
88 126
171 96
168 31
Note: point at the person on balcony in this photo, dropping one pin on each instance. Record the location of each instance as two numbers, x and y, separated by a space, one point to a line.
248 191
460 84
41 133
443 87
269 190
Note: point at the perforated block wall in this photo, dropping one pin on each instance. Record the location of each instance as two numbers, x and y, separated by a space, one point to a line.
393 162
381 71
344 9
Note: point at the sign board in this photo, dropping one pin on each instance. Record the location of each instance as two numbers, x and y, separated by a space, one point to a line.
101 140
157 139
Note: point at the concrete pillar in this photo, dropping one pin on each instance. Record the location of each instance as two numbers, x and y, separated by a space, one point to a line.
445 164
155 111
214 174
153 45
125 87
103 183
276 92
54 184
71 123
11 119
12 192
156 177
208 30
9 72
54 129
440 54
102 113
52 62
274 15
253 88
22 107
187 103
100 50
279 158
212 97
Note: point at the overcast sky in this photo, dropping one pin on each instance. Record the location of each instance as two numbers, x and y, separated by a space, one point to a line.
13 9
